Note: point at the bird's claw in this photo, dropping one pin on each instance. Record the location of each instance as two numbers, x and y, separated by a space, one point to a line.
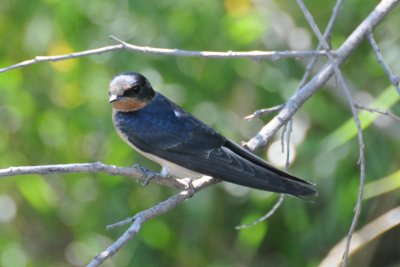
190 188
140 168
148 175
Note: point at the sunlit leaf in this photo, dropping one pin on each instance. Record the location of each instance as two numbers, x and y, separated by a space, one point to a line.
382 185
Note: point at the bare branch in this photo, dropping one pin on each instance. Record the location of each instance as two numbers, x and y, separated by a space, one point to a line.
332 21
383 112
393 79
262 112
148 214
188 187
255 55
289 127
346 91
266 216
327 36
300 96
310 66
85 53
136 172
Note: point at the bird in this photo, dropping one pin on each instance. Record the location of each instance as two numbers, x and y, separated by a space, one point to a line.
184 146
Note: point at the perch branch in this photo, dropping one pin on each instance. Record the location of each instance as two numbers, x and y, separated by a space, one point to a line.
187 189
134 172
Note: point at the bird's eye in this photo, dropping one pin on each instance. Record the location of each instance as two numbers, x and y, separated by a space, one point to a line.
132 91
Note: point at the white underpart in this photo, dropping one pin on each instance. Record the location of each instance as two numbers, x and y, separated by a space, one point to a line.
167 166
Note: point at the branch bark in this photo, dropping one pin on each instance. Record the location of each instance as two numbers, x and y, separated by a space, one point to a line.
145 215
255 55
135 172
302 95
187 187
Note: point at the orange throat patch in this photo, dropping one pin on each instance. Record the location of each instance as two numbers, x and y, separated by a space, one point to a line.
127 105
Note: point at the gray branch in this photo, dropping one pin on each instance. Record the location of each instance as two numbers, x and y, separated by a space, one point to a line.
255 55
135 172
376 110
341 55
145 215
349 97
393 79
187 187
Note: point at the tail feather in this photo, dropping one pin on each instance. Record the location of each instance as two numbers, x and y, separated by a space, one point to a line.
259 174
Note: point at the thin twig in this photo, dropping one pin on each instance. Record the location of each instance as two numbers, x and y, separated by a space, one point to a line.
148 214
288 135
383 112
327 37
262 112
255 55
309 68
393 79
84 53
300 96
266 216
335 13
361 162
287 129
349 97
284 129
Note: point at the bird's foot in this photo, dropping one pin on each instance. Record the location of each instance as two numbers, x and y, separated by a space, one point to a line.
190 188
148 175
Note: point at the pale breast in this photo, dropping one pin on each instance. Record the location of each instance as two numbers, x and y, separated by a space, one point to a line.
175 169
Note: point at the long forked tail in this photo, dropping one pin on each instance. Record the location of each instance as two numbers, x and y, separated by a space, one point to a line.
257 173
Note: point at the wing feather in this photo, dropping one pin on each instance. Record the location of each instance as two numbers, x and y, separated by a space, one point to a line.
170 133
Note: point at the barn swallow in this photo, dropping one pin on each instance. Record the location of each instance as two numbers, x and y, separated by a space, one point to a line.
185 146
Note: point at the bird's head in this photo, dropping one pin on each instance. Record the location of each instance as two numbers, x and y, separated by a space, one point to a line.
130 91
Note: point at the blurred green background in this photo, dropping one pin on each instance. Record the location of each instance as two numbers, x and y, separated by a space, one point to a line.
53 113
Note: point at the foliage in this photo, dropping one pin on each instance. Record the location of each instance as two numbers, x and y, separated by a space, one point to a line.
59 113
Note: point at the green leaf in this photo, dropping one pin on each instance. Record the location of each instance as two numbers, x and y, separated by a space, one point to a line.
382 185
